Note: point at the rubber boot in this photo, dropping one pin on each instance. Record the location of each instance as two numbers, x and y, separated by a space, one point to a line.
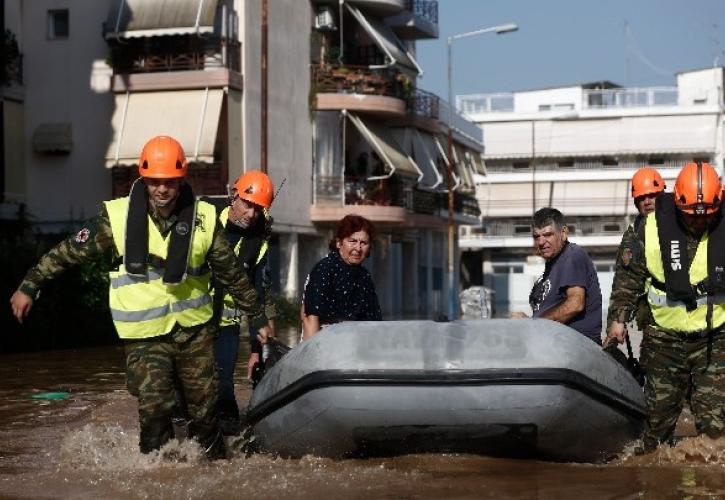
155 433
210 438
228 414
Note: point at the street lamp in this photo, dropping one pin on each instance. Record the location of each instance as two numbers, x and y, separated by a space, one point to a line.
499 30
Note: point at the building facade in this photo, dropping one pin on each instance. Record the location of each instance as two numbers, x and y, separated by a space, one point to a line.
576 148
348 130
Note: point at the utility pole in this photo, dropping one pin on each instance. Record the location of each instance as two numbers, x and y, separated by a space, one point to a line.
533 167
263 91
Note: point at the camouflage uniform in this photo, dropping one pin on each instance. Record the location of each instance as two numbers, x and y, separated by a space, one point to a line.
151 363
671 360
630 249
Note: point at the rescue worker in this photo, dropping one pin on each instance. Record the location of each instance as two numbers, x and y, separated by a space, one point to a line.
679 264
248 227
647 185
163 242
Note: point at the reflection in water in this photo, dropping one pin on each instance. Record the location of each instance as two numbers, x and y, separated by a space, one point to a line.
87 446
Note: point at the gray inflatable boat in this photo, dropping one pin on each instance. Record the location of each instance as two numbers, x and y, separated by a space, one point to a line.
519 388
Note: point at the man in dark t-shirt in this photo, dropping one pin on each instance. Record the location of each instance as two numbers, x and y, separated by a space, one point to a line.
568 290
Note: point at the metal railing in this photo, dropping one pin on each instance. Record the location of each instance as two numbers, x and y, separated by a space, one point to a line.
629 97
423 103
460 122
336 190
426 9
485 103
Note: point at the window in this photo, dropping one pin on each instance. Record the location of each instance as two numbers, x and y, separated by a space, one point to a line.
610 162
522 229
566 164
611 228
520 165
507 269
58 25
544 107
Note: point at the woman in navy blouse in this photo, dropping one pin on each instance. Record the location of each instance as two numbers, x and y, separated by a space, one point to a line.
339 288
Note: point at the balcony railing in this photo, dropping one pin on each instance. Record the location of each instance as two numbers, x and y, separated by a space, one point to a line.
156 55
485 103
426 9
334 190
629 97
423 103
357 80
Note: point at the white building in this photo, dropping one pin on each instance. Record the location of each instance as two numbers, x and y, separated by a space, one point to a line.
576 148
93 81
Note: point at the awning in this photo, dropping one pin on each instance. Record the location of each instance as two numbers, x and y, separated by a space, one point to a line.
479 165
388 42
190 116
382 141
463 167
442 143
53 138
142 18
427 149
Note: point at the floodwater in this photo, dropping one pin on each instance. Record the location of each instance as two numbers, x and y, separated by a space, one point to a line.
85 446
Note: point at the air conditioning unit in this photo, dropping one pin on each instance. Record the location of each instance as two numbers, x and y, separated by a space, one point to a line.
325 19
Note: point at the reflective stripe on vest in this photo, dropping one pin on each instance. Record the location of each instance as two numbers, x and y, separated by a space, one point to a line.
143 306
672 315
230 314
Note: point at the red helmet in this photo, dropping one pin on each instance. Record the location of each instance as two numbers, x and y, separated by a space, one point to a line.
255 187
646 181
162 158
698 190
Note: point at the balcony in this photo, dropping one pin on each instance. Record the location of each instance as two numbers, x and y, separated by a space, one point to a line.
418 21
175 53
359 88
387 201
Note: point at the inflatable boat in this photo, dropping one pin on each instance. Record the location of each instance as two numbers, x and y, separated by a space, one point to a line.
516 388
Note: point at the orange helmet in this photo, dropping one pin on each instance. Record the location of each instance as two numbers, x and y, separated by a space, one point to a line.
698 190
162 158
255 187
646 181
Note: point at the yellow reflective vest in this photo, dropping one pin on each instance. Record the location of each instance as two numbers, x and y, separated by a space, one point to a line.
145 307
671 315
230 315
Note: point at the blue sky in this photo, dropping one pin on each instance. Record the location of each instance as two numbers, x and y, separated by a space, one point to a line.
561 42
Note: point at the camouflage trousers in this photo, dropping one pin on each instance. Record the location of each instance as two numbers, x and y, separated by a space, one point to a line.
156 366
671 363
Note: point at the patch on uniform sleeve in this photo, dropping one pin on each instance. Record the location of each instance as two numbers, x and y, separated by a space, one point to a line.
626 256
83 235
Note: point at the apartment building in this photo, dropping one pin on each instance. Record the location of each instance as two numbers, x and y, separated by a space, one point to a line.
348 129
576 148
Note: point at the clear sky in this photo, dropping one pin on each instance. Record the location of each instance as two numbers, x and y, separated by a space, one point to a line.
561 42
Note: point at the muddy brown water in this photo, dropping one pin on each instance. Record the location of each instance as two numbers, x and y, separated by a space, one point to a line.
85 446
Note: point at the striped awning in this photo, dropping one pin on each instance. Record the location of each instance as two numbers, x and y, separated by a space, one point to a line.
189 116
147 18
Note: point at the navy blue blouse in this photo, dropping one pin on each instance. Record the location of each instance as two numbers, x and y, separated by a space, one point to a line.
336 291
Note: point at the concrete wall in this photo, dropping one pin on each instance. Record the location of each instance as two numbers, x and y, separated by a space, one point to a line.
58 76
290 127
700 87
